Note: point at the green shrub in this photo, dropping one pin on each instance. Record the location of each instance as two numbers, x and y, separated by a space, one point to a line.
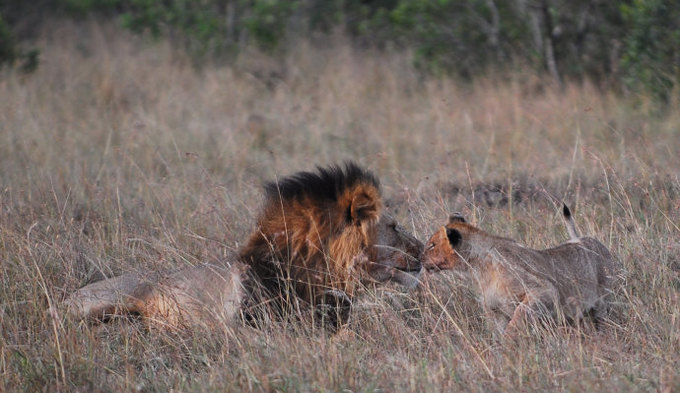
652 55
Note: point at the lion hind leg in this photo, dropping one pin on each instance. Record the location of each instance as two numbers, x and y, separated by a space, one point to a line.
113 296
205 295
162 306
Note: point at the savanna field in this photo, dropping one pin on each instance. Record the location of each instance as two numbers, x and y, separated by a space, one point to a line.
119 155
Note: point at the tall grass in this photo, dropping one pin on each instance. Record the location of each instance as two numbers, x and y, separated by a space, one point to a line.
118 155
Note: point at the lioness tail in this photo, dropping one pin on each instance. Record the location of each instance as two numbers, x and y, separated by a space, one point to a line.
569 221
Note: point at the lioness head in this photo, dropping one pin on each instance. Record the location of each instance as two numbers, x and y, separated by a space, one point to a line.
441 250
393 254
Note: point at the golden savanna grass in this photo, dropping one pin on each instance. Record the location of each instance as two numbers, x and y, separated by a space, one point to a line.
119 156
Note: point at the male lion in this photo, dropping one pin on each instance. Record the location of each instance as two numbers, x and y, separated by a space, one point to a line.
319 235
519 284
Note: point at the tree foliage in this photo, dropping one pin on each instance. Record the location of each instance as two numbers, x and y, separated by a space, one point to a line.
628 44
652 56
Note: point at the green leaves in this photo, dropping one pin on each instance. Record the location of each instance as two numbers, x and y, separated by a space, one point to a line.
652 48
629 44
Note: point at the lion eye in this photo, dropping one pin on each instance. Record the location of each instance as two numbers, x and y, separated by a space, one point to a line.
431 246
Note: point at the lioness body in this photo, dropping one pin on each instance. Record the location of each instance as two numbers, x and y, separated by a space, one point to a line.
517 283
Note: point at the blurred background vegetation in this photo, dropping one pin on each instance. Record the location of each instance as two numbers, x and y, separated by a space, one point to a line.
631 46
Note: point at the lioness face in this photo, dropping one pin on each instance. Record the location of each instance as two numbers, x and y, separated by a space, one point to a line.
440 252
393 254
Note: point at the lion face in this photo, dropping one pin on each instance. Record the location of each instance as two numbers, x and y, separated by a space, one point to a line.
314 231
393 254
441 250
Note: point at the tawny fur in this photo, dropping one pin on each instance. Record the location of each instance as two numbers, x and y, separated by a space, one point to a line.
518 284
204 295
392 254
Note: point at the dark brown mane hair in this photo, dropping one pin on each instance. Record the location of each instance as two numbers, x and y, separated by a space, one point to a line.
326 184
312 227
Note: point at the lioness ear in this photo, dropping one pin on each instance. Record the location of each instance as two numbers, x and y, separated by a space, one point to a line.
364 208
454 236
456 217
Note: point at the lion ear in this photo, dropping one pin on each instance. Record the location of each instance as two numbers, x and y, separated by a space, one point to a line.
456 217
454 236
364 208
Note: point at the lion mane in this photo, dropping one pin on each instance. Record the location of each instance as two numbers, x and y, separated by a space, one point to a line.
313 231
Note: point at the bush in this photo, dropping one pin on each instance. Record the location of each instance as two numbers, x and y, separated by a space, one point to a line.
631 43
652 57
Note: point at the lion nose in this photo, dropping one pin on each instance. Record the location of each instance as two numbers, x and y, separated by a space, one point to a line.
428 264
416 251
414 266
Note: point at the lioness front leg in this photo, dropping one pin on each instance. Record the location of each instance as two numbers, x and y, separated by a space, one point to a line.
534 307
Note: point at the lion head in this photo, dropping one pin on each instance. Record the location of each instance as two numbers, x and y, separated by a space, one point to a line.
320 232
393 254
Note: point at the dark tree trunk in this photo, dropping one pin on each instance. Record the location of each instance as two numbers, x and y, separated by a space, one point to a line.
549 43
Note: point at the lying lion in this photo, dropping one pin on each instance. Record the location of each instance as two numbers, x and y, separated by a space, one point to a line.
320 234
518 284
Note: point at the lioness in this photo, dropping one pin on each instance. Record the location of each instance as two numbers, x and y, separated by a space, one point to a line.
518 284
318 234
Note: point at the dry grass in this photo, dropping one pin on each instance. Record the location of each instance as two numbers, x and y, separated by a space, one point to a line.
118 156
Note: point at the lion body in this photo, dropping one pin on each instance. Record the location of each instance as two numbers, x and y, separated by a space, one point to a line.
516 283
318 233
201 295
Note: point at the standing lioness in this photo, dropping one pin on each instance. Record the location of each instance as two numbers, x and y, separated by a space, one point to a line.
518 284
